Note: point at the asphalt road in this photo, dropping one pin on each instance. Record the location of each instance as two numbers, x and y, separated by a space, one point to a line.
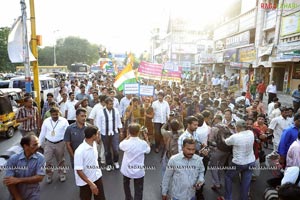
113 182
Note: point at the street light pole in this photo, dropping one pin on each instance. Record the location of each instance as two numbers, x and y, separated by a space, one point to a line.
36 81
26 49
54 49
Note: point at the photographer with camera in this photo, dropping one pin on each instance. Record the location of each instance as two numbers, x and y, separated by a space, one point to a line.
133 160
220 153
170 137
259 137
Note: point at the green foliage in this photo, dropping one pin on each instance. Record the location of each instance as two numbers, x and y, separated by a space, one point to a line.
5 64
46 56
69 50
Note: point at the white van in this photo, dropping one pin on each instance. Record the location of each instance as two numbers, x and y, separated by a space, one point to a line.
47 84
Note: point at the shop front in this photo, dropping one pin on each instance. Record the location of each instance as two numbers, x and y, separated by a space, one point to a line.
287 67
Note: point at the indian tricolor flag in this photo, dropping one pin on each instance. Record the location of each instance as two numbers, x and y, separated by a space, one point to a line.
127 75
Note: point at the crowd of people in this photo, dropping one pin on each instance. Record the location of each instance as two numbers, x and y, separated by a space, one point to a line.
196 128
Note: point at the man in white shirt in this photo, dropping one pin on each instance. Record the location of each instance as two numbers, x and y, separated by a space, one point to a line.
271 105
93 114
109 122
245 81
133 161
243 98
112 94
272 91
190 132
161 113
243 160
62 103
276 112
70 112
86 168
124 103
276 127
52 139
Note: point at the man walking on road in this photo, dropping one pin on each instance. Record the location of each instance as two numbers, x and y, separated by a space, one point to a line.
243 160
272 91
261 89
23 182
52 136
29 117
185 171
87 171
161 113
74 134
109 122
133 161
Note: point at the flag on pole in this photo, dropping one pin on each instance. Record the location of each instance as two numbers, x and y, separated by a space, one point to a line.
15 43
127 75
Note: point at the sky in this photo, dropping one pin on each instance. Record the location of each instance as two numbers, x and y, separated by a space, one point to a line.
119 25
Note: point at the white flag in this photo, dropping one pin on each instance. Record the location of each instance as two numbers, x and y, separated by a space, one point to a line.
15 44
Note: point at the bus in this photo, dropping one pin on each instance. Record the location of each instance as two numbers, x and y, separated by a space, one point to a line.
79 68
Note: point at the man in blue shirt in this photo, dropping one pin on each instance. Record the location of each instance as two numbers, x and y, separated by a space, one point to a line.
184 174
288 136
25 170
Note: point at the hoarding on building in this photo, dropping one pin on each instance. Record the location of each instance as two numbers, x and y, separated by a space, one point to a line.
290 24
238 40
230 55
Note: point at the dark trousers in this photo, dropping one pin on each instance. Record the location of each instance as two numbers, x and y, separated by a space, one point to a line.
271 96
138 188
86 193
261 96
111 142
158 135
199 193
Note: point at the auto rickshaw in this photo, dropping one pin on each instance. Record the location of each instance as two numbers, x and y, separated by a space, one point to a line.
8 122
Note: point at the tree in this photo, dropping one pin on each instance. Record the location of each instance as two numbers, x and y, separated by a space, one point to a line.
46 56
5 64
69 50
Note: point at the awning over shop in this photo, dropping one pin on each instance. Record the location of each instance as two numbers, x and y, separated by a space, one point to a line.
296 59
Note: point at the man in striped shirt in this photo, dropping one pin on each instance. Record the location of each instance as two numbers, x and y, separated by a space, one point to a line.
29 117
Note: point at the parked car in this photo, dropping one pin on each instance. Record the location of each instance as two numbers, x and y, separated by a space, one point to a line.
47 84
4 83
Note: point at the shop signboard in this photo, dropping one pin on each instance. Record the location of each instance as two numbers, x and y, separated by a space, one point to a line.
247 54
